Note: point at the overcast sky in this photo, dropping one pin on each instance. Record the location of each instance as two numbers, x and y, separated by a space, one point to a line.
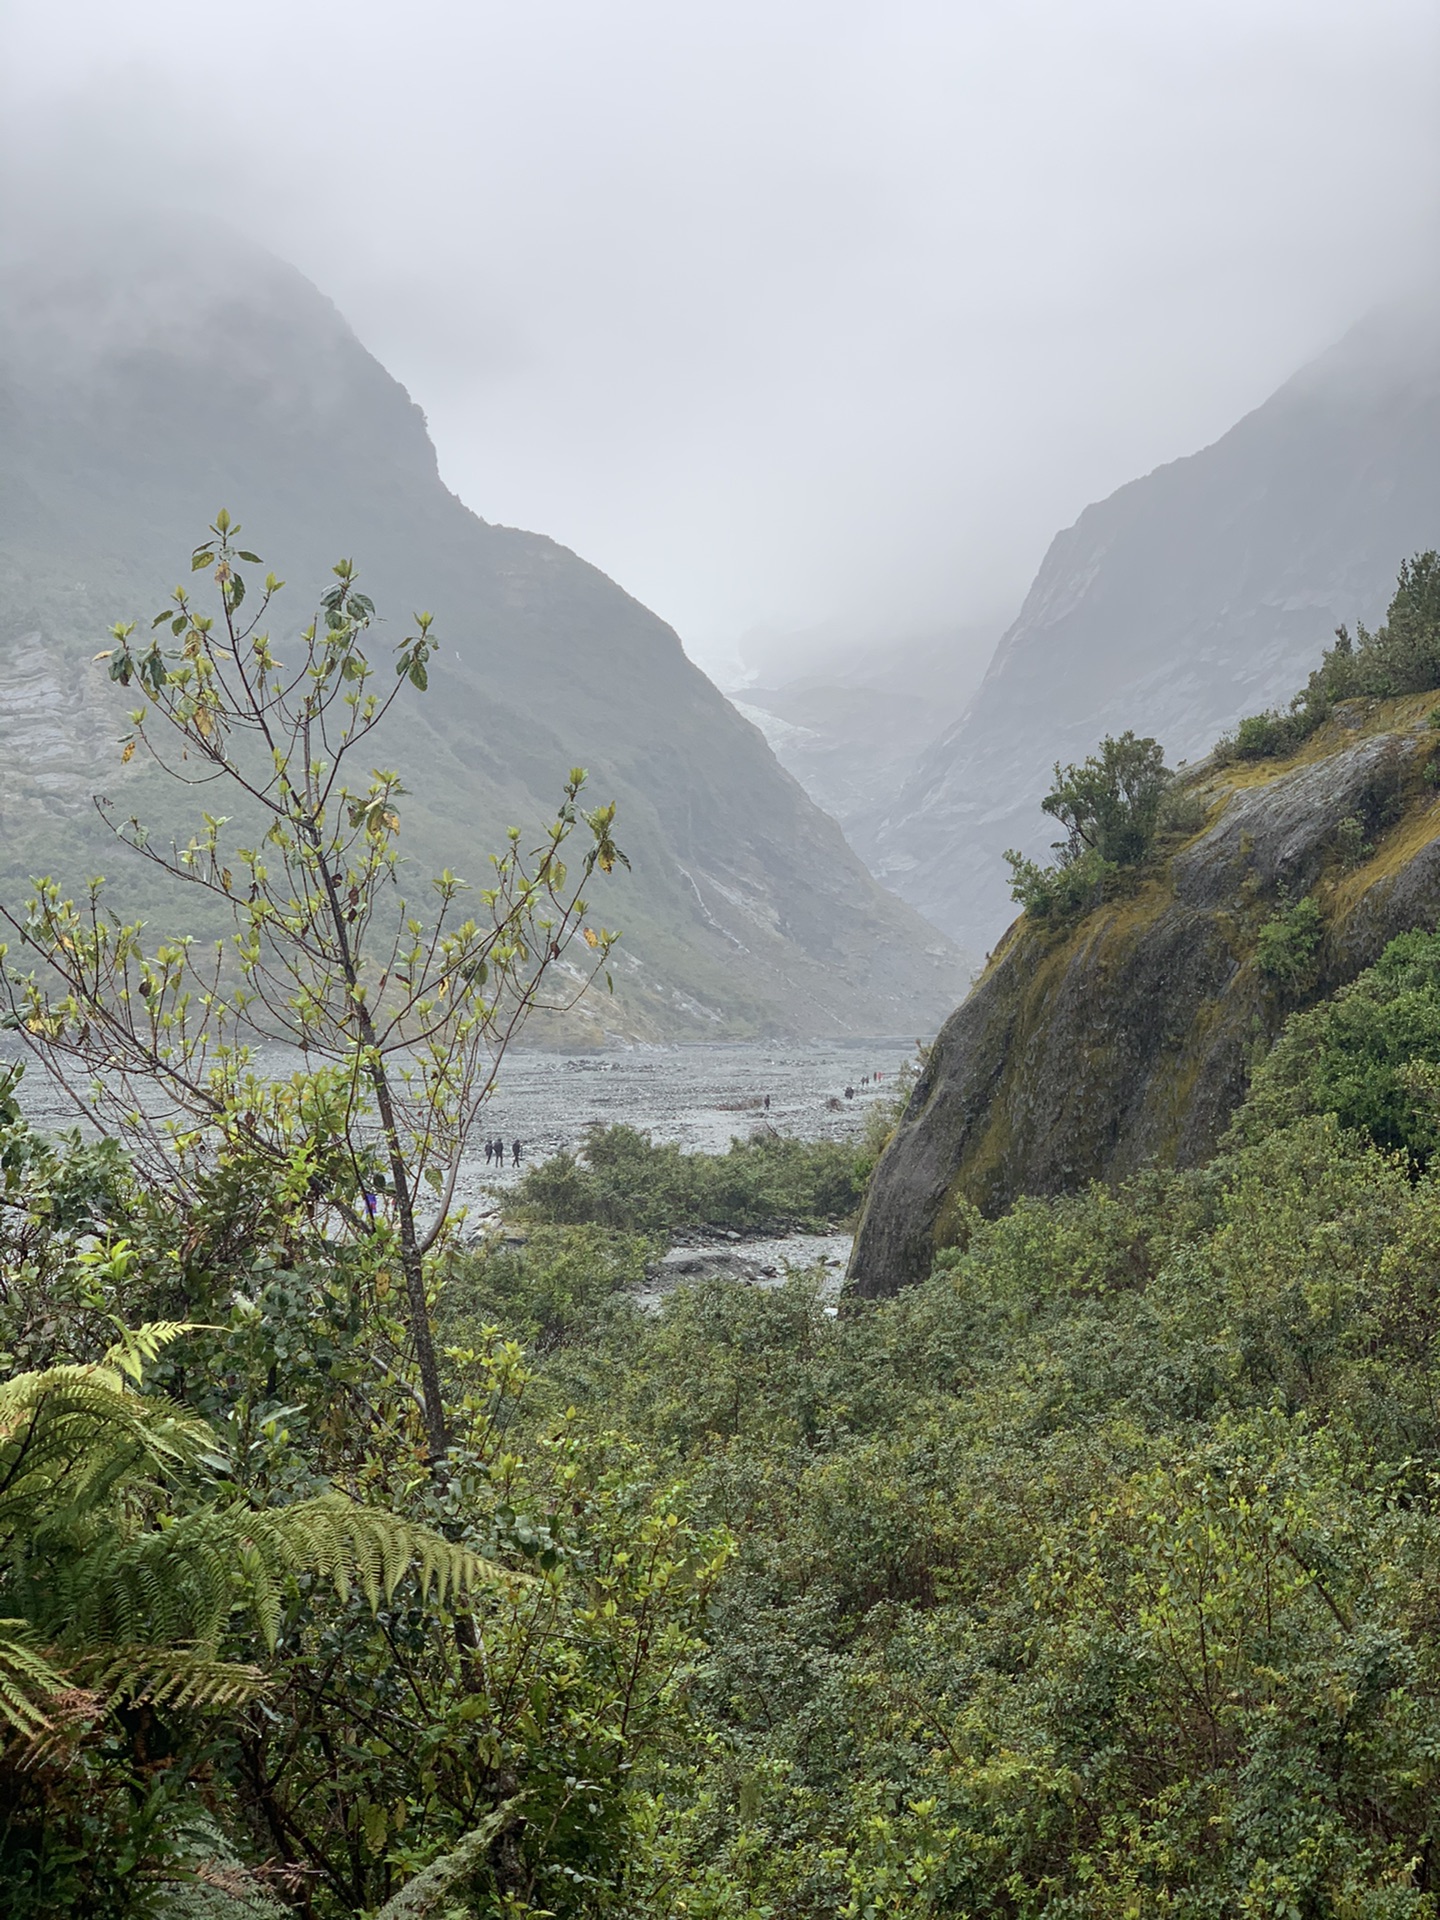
793 315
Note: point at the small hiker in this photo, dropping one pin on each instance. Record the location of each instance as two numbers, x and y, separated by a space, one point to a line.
489 1151
515 1149
767 1103
849 1093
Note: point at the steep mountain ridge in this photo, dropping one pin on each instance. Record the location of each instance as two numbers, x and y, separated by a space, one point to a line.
1204 591
139 393
853 733
1094 1046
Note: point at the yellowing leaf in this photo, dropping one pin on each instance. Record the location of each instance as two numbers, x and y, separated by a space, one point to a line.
129 751
592 939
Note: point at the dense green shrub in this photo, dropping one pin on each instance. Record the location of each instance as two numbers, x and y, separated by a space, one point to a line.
1288 944
1092 1576
1369 1056
623 1179
1110 806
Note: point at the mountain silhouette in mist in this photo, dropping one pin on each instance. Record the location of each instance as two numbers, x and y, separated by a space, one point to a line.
143 386
1189 598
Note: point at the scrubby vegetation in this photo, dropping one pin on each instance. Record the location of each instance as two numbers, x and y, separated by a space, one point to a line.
1402 656
1097 1574
623 1179
1111 808
1119 806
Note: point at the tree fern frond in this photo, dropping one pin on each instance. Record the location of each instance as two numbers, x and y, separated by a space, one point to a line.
371 1549
70 1435
180 1584
138 1347
173 1677
29 1681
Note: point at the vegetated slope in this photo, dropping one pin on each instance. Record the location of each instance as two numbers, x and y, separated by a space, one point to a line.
1194 595
139 394
1095 1045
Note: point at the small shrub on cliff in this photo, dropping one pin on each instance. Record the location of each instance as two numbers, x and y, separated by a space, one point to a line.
1403 656
1051 893
1182 812
1110 807
1109 803
1287 946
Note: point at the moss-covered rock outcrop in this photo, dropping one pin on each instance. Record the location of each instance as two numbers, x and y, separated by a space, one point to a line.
1092 1046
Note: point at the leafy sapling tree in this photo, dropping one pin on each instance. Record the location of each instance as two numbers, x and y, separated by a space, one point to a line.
400 1007
1110 808
1110 803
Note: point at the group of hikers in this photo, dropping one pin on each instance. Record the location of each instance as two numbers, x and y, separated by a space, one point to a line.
850 1091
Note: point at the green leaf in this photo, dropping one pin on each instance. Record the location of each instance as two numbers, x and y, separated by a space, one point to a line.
418 676
202 559
253 558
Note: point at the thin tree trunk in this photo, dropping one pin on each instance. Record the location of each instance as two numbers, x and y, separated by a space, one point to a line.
412 1261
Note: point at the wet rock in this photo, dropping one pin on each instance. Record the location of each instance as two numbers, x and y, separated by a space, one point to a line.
1091 1048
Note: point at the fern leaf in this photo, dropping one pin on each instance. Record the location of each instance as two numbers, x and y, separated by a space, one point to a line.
29 1682
175 1677
138 1347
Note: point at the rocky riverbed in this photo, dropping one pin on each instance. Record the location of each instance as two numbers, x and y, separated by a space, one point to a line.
700 1097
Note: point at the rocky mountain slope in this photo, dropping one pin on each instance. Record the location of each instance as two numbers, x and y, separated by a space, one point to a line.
142 390
1200 593
1093 1046
853 733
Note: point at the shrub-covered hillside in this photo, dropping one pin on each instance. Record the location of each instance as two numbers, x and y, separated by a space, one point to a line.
1096 1574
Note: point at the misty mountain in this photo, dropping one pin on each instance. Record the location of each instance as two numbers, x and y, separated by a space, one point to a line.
853 733
1189 598
143 386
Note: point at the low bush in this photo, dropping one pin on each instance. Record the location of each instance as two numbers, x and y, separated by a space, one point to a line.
1287 947
1403 656
622 1179
1369 1056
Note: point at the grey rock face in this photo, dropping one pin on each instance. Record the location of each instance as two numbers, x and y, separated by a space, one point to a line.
1188 599
1088 1051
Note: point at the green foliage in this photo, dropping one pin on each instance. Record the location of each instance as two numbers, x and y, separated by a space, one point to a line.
622 1179
544 1288
1054 893
1403 656
1092 1576
1110 806
136 1590
1109 803
1288 944
204 1613
1370 1056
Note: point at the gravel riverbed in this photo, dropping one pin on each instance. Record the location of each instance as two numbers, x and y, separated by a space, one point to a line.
700 1097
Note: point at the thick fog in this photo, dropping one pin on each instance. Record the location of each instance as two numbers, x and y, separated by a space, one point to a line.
808 321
